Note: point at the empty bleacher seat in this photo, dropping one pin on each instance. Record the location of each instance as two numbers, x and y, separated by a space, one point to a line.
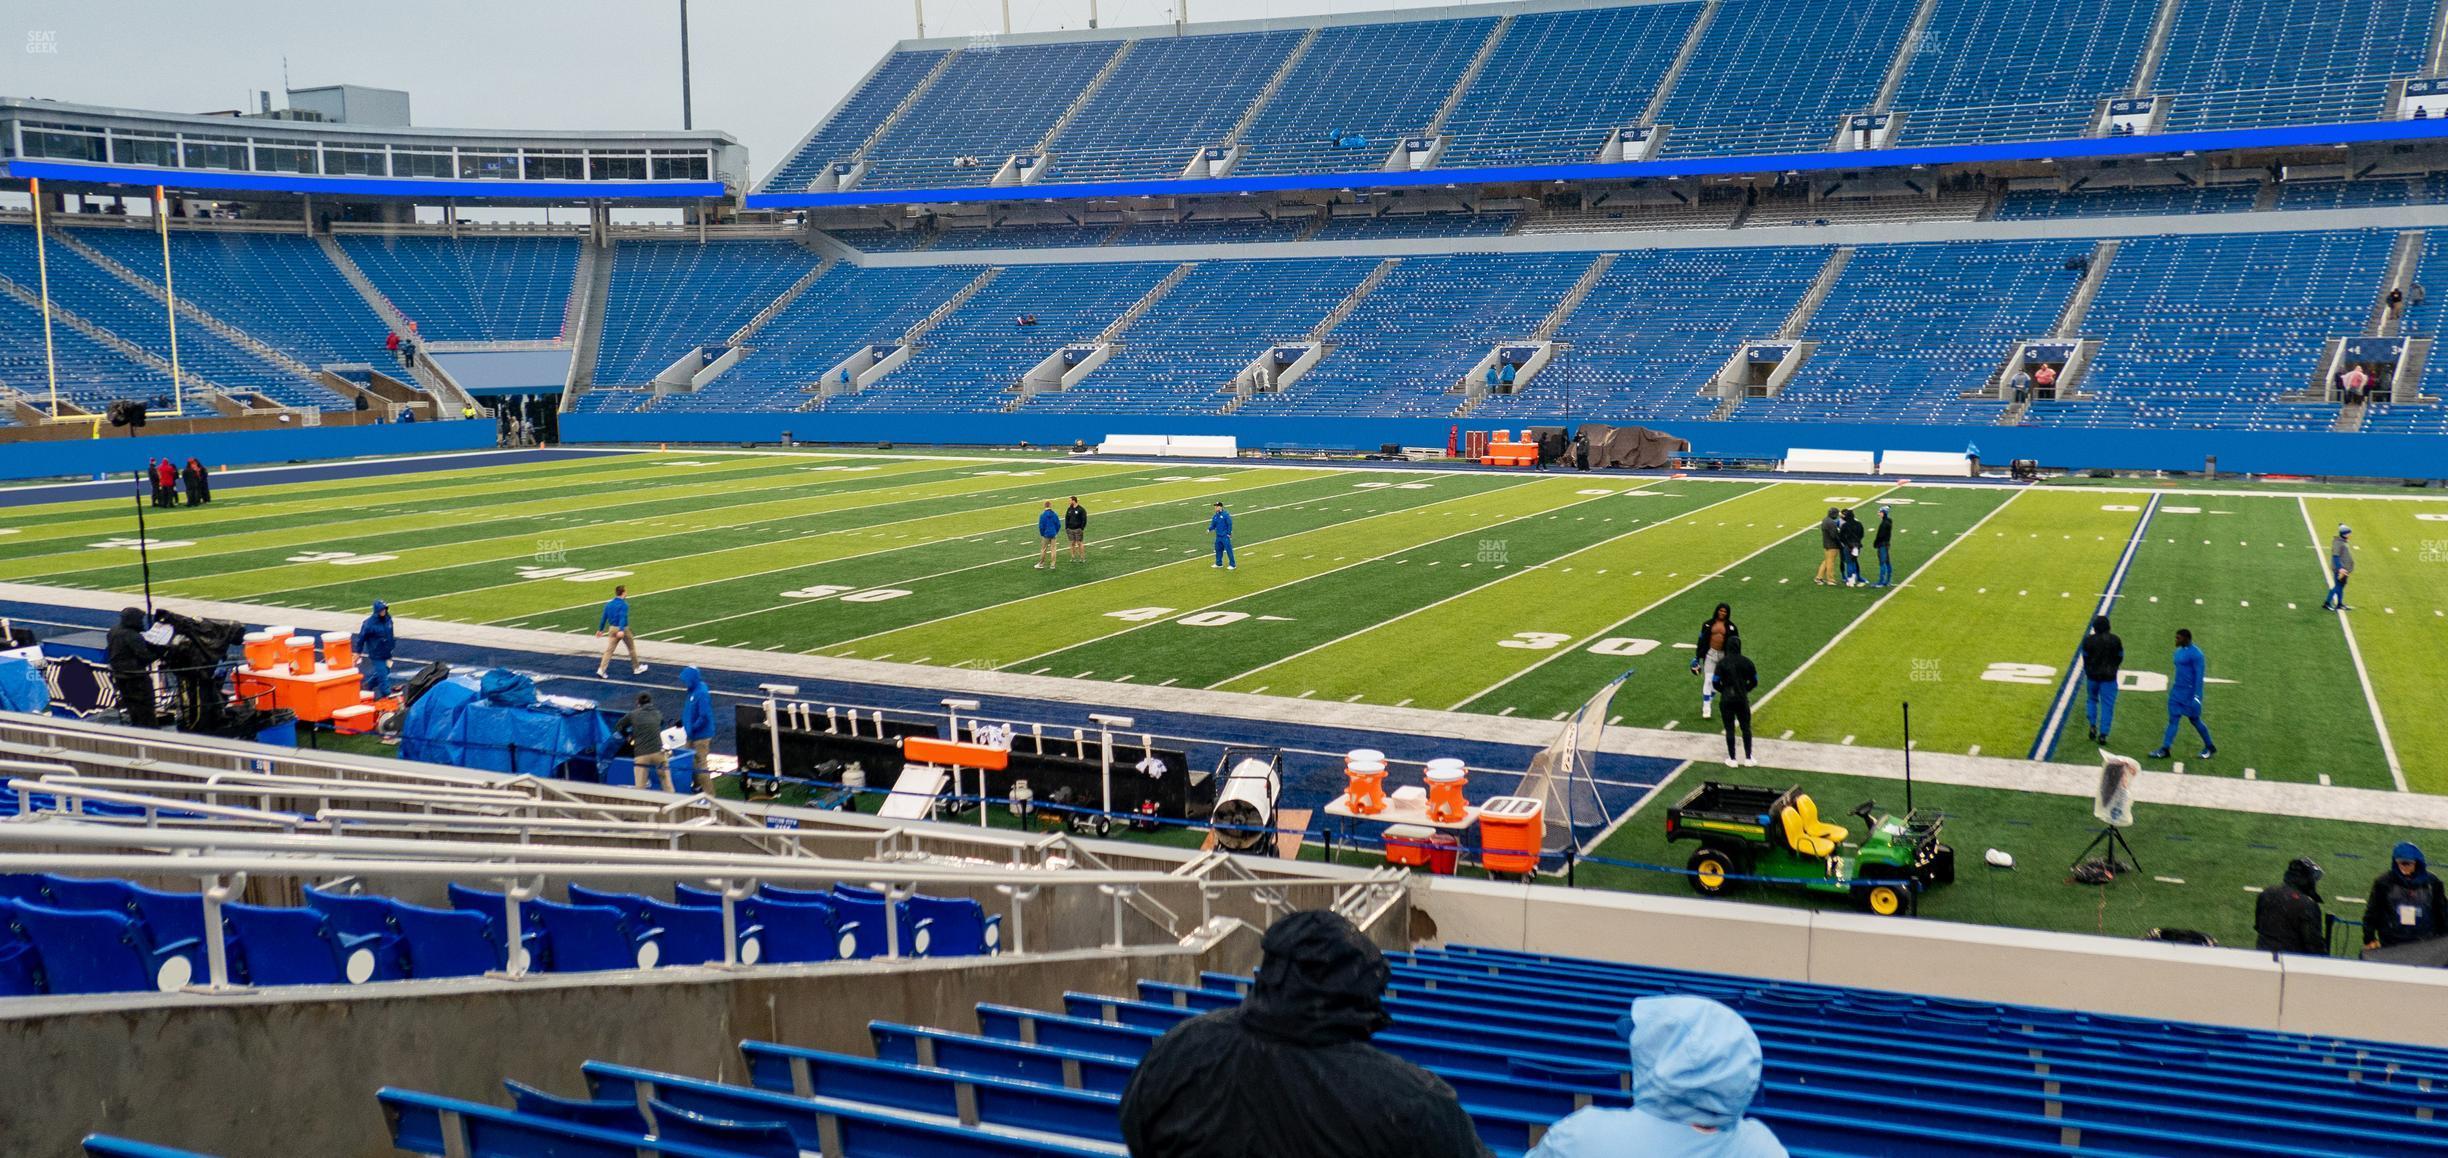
2248 63
1169 97
278 946
97 951
493 289
691 936
2014 70
857 118
568 938
1775 77
1359 90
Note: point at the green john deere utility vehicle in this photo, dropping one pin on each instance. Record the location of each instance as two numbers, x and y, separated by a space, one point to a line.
1776 836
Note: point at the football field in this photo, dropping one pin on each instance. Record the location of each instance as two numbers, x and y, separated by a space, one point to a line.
1514 594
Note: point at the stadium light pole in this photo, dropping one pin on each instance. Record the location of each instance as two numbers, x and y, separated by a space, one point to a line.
919 6
688 119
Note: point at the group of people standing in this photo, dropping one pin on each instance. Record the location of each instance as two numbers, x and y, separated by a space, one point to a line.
1841 536
2407 903
166 478
2102 655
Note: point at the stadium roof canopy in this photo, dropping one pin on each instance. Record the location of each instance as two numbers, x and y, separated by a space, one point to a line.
87 145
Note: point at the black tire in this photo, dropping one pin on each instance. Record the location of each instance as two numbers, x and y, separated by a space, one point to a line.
1713 870
1887 897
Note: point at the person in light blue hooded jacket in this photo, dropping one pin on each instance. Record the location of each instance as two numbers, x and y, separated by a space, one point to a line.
697 717
1695 1069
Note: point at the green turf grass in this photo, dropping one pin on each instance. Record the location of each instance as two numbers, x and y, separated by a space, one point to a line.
484 480
345 537
2399 598
1287 620
2215 853
1371 523
2235 571
1784 617
1142 527
2016 589
1489 633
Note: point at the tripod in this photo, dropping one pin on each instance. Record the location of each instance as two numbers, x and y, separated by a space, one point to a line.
2114 838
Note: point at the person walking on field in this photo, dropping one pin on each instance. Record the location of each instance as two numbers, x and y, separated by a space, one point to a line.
1885 536
2287 919
1075 525
1735 680
2185 696
1709 650
614 628
1221 525
1049 530
2103 657
2341 568
1829 528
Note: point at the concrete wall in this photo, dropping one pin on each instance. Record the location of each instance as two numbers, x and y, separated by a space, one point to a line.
276 1075
2237 451
2237 987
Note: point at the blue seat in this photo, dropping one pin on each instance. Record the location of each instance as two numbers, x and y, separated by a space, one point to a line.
280 946
747 1139
610 1115
427 1124
170 918
360 916
448 942
21 972
794 930
563 938
691 936
951 927
100 952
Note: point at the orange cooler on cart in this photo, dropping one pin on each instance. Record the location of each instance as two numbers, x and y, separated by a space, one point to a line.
1512 830
338 651
298 653
263 650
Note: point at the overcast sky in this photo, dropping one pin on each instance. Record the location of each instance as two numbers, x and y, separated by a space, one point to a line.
764 70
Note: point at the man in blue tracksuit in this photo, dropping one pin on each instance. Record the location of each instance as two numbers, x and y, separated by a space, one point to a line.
1221 524
613 626
1885 536
2185 696
697 718
1049 529
373 643
2103 658
2341 568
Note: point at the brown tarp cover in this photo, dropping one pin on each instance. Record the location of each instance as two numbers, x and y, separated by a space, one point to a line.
1629 446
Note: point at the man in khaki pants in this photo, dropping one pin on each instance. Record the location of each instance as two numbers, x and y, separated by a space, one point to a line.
644 727
1831 532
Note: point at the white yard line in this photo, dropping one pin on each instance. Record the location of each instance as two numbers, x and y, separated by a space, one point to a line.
2354 650
1575 647
2107 600
1899 588
1608 541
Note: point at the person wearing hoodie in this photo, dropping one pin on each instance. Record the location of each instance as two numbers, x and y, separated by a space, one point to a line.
2103 655
1695 1070
1849 543
1713 638
2341 568
697 717
373 644
1881 541
2407 903
131 658
2287 919
1829 528
2185 696
1290 1070
1735 680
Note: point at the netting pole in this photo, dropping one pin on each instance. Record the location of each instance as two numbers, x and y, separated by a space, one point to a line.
42 277
1908 757
161 218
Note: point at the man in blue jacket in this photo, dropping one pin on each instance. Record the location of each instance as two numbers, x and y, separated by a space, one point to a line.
1695 1070
697 717
2185 696
1221 524
614 628
1049 528
373 644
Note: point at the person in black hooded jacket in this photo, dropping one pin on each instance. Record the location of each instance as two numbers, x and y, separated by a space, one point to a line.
2287 919
131 657
2103 659
1290 1071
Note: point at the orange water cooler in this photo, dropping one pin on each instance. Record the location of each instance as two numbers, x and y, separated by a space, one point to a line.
263 650
1364 771
1512 830
1446 779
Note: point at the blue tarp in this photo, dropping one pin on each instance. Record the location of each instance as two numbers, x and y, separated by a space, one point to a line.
22 688
455 723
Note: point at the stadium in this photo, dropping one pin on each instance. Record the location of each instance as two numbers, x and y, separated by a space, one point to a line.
1277 580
